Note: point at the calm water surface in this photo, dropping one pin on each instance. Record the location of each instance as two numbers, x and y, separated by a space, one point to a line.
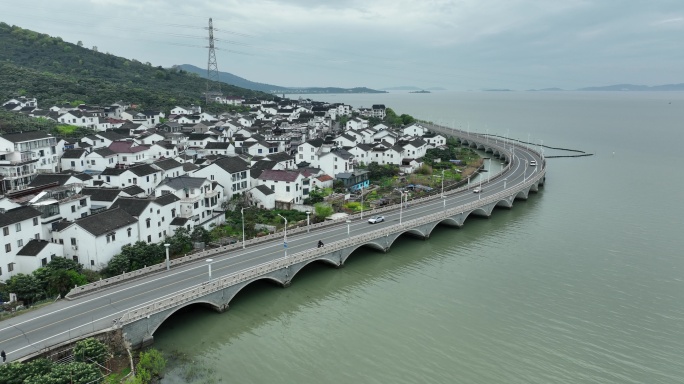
582 283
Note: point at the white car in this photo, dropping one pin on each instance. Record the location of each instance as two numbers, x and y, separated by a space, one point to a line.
533 163
477 190
376 219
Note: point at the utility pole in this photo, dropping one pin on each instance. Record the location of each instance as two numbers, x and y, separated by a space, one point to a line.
213 83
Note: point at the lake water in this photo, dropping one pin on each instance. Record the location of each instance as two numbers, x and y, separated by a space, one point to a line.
582 283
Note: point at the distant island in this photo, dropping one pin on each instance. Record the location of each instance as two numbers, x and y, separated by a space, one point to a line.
621 88
421 91
632 87
412 88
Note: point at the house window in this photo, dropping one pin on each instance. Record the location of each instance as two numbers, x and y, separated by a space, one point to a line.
10 267
5 231
124 159
37 236
287 188
43 261
8 248
92 263
83 202
18 227
73 164
148 222
173 213
149 238
75 258
129 232
212 177
158 223
20 243
73 208
35 221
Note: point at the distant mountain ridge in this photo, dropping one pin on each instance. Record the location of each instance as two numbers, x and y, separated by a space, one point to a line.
229 78
412 88
632 87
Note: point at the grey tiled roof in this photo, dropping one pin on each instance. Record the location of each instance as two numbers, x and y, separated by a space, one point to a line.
232 164
106 221
181 182
101 194
16 215
134 206
25 136
33 248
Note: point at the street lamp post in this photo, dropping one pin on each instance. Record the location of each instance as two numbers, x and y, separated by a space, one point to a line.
307 221
442 183
348 227
242 212
168 265
284 234
489 169
401 205
362 201
209 265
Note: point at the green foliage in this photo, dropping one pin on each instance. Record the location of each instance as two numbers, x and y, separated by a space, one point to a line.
18 373
377 172
91 350
134 257
353 206
43 371
424 170
393 120
27 287
72 373
54 71
199 234
180 241
323 210
152 361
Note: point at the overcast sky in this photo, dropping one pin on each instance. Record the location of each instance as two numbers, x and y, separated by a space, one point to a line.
455 44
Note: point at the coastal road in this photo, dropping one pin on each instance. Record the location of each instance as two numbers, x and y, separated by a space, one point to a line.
37 330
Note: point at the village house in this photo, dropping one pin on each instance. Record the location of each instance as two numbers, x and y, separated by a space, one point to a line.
100 159
95 239
22 155
232 172
287 186
200 201
19 226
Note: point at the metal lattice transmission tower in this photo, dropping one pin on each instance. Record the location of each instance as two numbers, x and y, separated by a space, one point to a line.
213 83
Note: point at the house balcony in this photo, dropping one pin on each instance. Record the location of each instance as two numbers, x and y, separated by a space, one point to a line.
191 199
211 194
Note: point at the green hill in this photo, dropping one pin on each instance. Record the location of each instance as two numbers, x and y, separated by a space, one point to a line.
55 71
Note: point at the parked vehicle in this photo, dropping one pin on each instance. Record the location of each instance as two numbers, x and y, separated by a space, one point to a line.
376 219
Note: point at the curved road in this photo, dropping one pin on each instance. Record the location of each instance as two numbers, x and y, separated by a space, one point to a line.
37 330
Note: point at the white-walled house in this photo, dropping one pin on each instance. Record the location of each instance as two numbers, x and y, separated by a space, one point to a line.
144 175
231 172
95 239
435 140
100 159
153 216
336 161
22 155
287 185
74 159
169 168
19 226
200 200
414 129
262 197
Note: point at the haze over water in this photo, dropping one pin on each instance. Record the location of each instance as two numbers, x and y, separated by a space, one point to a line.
582 283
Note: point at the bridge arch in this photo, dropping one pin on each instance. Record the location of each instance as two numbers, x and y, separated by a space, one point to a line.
162 319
